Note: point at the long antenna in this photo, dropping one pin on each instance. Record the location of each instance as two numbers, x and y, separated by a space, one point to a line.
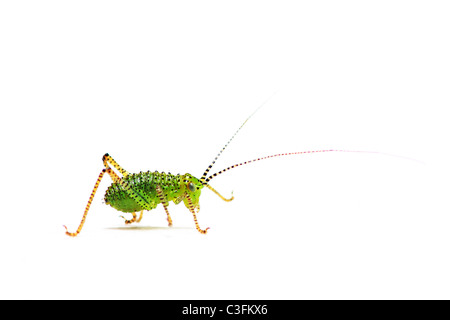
202 179
297 153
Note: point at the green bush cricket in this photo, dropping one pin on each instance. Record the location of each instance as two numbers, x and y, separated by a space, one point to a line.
138 192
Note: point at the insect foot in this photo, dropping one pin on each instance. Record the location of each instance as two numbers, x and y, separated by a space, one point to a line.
70 234
131 220
203 231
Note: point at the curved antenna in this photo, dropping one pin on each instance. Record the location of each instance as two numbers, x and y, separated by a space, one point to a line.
202 179
291 154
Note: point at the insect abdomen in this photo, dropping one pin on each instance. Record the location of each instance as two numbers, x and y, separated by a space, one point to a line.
143 183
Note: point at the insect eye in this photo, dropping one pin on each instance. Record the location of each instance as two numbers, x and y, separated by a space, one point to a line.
191 186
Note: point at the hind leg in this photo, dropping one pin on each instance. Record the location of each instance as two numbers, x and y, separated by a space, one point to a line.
86 210
115 178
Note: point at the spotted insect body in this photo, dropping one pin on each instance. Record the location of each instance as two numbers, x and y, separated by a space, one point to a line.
145 184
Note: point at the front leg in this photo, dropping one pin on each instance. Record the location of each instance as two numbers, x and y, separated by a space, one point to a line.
192 210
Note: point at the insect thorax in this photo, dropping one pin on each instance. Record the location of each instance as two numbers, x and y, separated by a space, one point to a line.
144 183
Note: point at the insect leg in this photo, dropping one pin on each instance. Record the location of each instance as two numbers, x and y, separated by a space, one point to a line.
97 183
107 158
164 202
192 209
137 197
140 216
135 218
178 200
132 220
221 197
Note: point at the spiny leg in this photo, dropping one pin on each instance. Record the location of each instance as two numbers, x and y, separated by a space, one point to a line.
192 209
221 197
136 196
113 175
135 218
131 220
83 219
164 202
107 158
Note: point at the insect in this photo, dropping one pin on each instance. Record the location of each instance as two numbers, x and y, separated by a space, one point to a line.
139 192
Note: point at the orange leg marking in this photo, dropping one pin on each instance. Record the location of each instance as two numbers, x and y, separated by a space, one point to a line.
192 209
164 202
140 217
107 158
97 183
132 220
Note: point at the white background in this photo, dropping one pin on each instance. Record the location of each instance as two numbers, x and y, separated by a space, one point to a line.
164 85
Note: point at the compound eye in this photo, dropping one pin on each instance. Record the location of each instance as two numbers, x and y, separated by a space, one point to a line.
191 186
